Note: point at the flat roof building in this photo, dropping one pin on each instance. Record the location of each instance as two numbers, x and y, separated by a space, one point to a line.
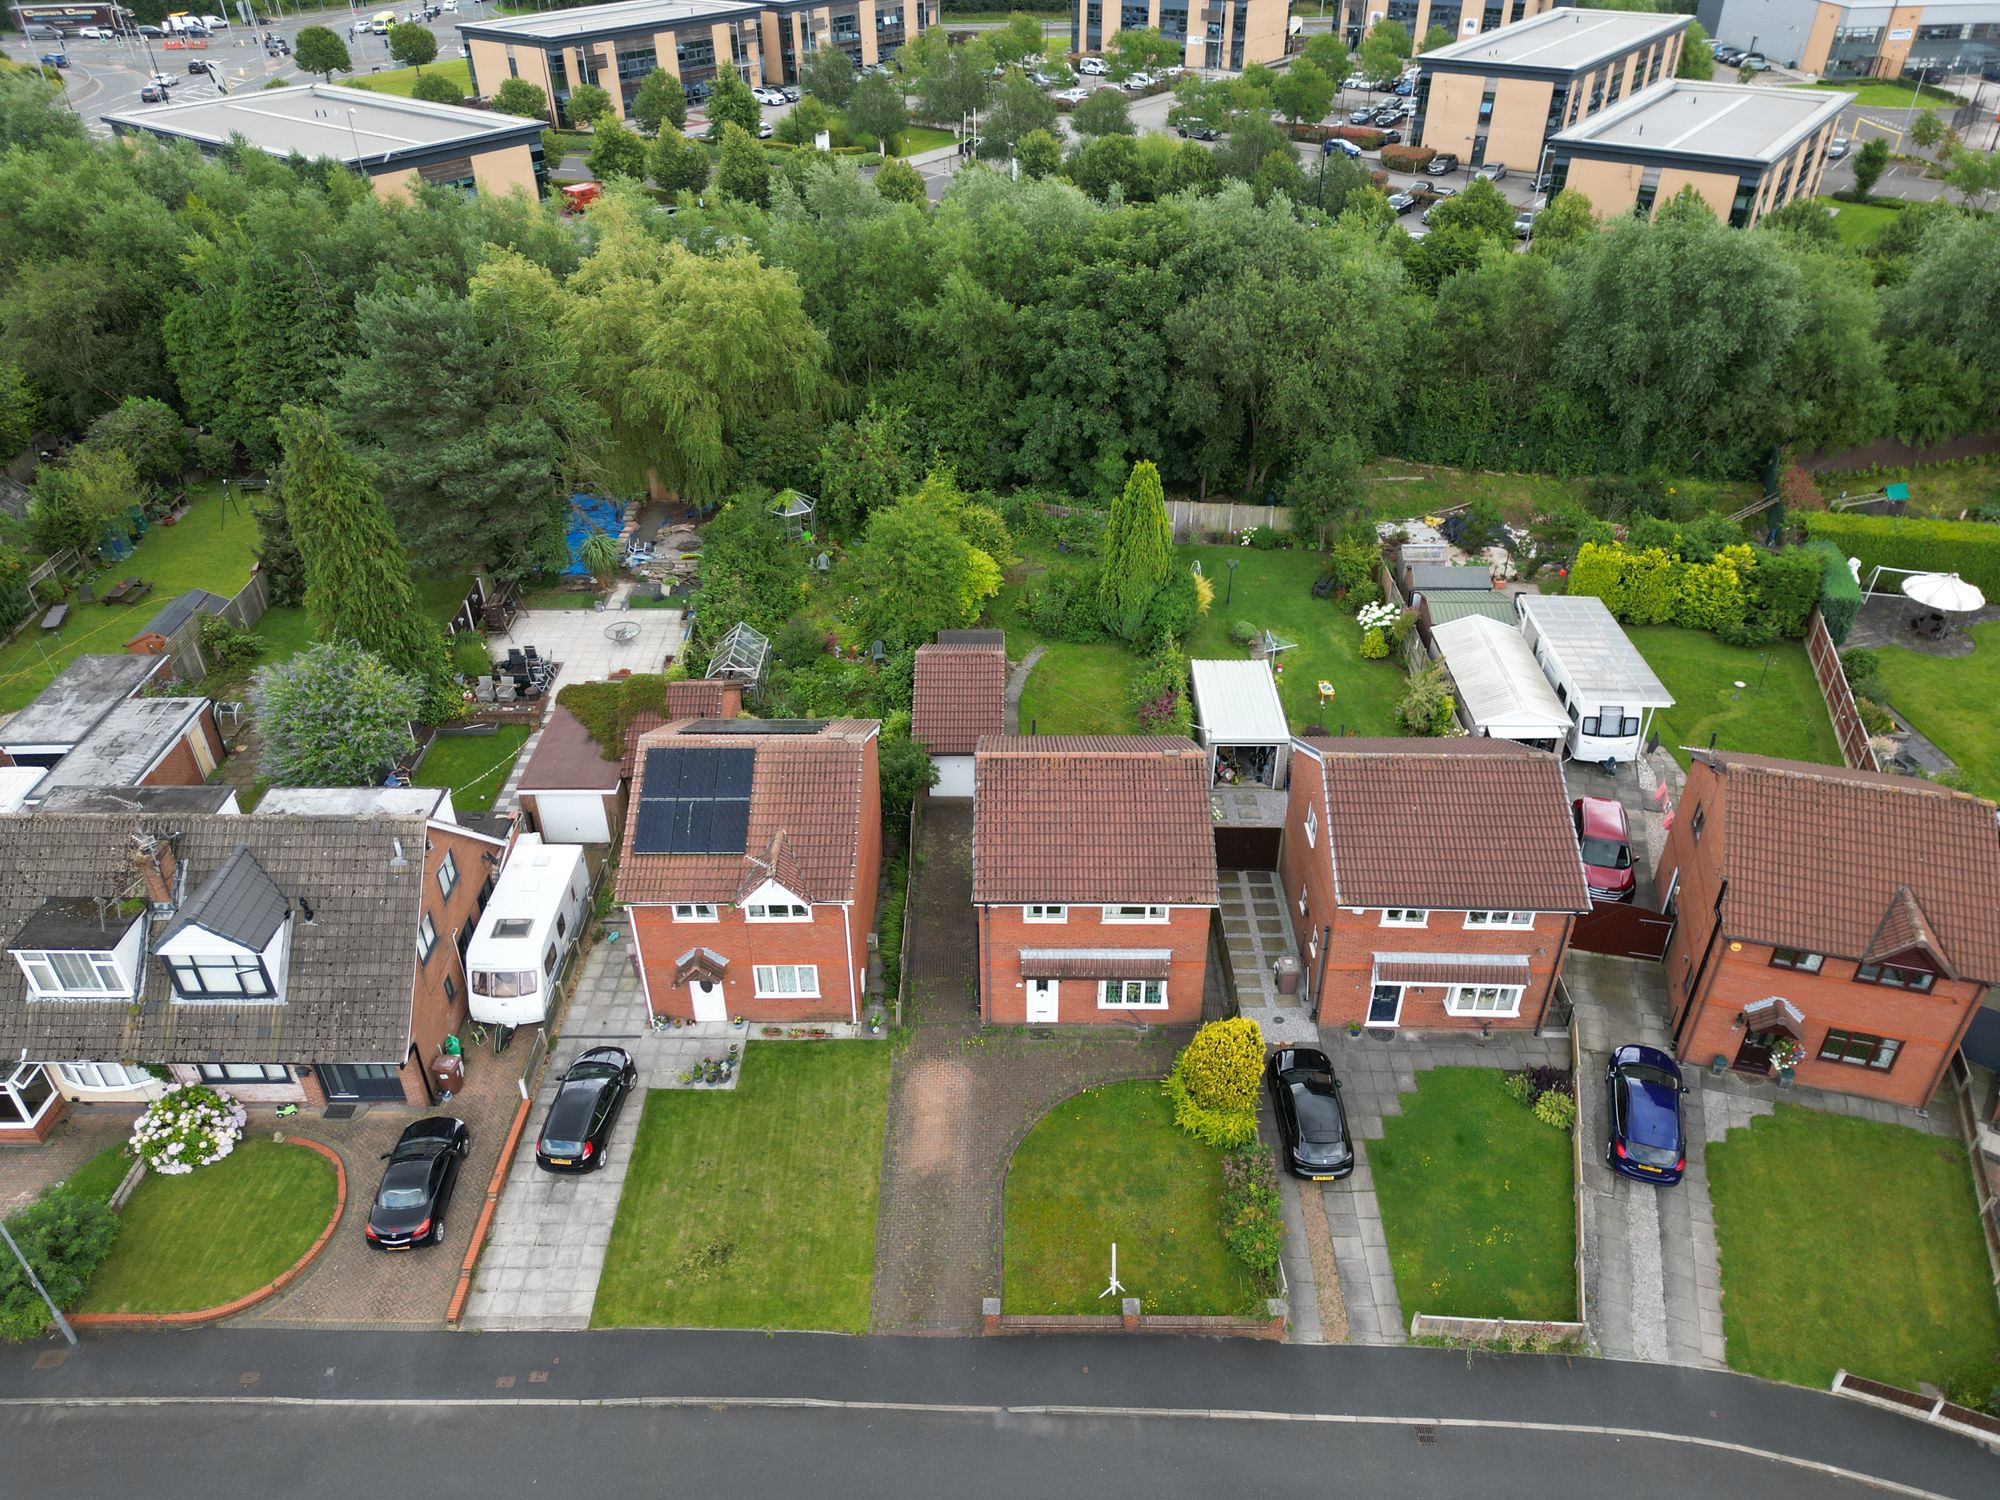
1462 18
396 143
1220 35
1843 39
1746 151
1499 96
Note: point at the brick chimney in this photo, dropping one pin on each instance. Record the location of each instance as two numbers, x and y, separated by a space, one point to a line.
157 865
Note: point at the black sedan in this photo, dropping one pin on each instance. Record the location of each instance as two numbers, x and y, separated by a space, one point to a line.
417 1184
1647 1139
578 1127
1311 1118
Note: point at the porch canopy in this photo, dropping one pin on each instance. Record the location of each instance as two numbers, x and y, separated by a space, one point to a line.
1775 1014
1500 684
1096 963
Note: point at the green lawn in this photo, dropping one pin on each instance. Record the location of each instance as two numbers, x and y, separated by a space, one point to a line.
1886 95
1949 492
208 548
402 80
1080 689
1111 1166
1951 701
99 1177
1008 609
914 138
198 1241
1859 225
286 629
1273 590
755 1208
1475 1195
473 766
1850 1244
1779 711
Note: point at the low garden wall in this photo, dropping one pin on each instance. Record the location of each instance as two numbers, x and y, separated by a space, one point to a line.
1131 1319
1939 1412
1506 1333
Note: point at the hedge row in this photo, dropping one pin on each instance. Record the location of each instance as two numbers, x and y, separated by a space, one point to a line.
1407 158
1744 595
1360 135
1839 594
1970 549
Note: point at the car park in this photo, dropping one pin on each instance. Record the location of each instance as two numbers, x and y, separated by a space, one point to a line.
1440 164
1312 1122
577 1128
1345 148
1646 1137
416 1188
1729 56
1492 171
1405 87
1837 147
1605 839
95 34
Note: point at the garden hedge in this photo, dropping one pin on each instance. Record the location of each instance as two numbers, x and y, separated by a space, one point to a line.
1360 135
1839 594
1970 549
1407 158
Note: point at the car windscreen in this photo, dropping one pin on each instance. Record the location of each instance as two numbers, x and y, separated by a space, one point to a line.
1319 1115
505 984
583 1071
1605 854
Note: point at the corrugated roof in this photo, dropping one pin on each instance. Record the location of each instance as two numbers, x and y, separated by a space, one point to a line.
1498 679
1236 703
1447 825
1446 605
958 693
1092 820
1425 576
181 608
1594 649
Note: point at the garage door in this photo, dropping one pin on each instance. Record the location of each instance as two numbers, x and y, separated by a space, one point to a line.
954 776
572 819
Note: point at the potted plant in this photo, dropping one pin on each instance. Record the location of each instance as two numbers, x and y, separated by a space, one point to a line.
1786 1054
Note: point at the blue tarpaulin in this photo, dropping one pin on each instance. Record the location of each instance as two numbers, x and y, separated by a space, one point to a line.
589 513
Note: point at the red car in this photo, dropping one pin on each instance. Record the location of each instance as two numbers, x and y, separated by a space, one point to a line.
1606 841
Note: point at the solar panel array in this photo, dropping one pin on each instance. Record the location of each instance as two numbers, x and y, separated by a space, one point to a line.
695 801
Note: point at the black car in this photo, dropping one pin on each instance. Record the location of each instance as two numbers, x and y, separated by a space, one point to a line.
1403 202
416 1185
1647 1140
578 1127
1311 1119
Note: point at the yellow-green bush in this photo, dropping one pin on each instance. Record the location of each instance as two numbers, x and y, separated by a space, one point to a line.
1223 1064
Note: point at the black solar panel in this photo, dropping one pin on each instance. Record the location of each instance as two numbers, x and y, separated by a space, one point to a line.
695 801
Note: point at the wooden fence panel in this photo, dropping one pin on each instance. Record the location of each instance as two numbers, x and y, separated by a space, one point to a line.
1839 697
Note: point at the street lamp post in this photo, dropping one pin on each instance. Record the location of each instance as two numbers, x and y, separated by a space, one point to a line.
36 1282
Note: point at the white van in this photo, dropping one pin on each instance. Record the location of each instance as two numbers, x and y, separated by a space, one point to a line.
529 927
1093 66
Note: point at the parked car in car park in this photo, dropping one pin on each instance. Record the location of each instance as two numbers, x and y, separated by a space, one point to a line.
416 1186
1837 147
44 33
1198 132
1492 171
1402 203
1392 137
1755 63
1524 224
95 34
768 96
1728 56
1095 67
1361 116
791 94
1074 96
1312 1122
1138 83
1646 1137
578 1125
1345 148
1443 162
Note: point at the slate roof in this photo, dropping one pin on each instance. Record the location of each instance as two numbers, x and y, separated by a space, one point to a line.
1092 819
1446 825
1892 860
239 903
178 610
813 788
568 758
959 693
352 968
80 695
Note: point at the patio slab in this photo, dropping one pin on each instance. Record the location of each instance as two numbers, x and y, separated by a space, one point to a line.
577 639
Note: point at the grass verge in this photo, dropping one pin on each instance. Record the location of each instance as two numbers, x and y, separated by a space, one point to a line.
1886 95
1859 225
400 81
99 1177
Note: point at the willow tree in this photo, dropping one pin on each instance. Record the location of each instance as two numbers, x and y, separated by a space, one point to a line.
1136 552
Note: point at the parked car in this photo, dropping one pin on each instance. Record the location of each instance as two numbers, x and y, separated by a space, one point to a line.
1095 67
767 95
1443 162
1729 56
1345 148
1838 147
1606 841
1043 80
1312 1122
764 130
1388 114
152 93
1138 83
44 33
417 1184
1403 202
1405 87
791 94
1392 137
1361 116
578 1126
1755 63
1073 96
1524 224
1492 171
1646 1137
1199 132
95 34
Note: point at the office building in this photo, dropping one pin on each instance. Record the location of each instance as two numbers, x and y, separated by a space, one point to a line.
1834 39
1462 18
1228 34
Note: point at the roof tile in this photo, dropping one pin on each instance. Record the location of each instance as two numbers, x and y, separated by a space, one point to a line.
959 693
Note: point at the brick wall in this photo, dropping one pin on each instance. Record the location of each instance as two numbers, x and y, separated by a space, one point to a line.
1004 931
822 941
438 998
181 766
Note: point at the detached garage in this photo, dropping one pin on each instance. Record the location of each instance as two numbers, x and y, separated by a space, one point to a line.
958 694
573 791
1501 689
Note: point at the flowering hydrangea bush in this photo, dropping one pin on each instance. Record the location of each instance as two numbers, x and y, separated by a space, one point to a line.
189 1126
1376 616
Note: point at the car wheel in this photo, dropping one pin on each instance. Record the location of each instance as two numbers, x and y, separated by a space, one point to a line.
437 1229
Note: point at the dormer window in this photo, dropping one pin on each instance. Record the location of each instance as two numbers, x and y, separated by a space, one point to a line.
219 977
231 941
56 975
80 949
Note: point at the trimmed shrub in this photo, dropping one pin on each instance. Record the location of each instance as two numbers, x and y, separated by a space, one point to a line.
1556 1109
1970 549
65 1236
1360 135
1862 666
1242 632
1839 593
1374 645
1214 1083
1407 158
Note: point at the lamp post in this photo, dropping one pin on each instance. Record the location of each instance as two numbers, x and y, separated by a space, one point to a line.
1233 564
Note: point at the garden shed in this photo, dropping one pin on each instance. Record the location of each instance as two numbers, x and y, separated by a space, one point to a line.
1500 686
1239 720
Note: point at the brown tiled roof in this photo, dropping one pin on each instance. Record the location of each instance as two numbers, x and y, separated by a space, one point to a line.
809 787
1905 928
703 698
1092 819
1097 963
959 694
568 758
1815 857
1447 825
643 723
774 863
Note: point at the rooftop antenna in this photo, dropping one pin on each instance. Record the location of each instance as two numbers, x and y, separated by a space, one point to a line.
1116 1286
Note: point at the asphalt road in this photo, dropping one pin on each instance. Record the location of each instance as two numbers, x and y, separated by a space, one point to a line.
1119 1417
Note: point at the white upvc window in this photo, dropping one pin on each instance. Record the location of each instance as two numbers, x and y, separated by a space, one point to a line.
57 974
777 911
1046 913
1312 825
1135 914
786 981
1131 994
100 1077
1405 916
1483 1000
1520 919
448 875
694 911
427 939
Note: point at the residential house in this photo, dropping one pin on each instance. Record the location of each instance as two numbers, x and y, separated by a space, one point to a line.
959 693
1432 884
1094 879
751 858
1849 912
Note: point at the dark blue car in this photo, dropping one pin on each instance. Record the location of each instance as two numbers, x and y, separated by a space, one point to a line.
1647 1141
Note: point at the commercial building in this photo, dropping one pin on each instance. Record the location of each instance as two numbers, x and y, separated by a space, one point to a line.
1499 97
1218 33
1747 151
396 143
616 46
1835 39
1462 18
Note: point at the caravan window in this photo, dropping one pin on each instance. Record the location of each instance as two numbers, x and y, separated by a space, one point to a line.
505 984
1611 723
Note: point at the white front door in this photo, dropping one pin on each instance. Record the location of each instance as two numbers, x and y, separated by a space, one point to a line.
1041 1000
708 1004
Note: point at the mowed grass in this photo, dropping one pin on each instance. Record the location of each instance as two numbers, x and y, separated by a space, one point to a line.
472 766
914 138
1952 702
1859 225
1778 711
1948 491
209 1237
99 1177
1475 1195
210 547
1884 95
755 1208
1080 689
1848 1244
1110 1166
402 80
1273 591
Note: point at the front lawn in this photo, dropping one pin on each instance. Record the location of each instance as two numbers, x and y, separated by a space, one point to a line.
755 1208
1078 689
1950 700
914 138
1110 1166
198 1241
401 80
1850 1244
1475 1195
1885 95
1777 712
210 547
472 766
1273 591
99 1177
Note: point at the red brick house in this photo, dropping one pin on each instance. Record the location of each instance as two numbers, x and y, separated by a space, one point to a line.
751 858
1093 879
958 694
1432 883
1855 914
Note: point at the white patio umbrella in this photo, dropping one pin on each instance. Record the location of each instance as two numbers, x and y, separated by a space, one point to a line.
1944 591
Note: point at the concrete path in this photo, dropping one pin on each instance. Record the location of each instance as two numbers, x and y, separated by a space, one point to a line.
575 639
1017 682
1257 932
